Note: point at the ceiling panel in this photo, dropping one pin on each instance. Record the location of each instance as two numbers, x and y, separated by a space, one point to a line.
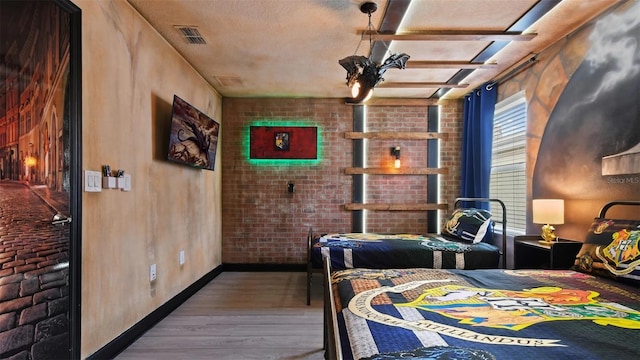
267 48
464 14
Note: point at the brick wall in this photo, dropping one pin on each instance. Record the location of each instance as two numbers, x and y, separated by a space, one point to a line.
451 112
263 223
405 189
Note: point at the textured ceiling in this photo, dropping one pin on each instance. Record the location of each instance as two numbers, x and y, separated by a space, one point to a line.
291 48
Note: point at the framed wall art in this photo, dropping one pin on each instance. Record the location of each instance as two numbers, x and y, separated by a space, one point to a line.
283 142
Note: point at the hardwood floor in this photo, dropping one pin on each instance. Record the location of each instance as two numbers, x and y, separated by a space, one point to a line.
240 316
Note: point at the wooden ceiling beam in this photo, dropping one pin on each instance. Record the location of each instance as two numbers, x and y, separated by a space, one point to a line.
395 135
417 64
396 207
416 85
448 35
399 102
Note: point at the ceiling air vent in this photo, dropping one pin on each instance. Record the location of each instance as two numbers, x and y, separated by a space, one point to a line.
229 81
191 34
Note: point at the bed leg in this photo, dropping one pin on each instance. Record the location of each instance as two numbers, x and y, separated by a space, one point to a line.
309 278
309 267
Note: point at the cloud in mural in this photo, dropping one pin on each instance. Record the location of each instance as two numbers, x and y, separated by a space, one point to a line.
613 46
596 116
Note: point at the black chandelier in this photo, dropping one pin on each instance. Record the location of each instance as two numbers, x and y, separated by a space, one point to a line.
363 74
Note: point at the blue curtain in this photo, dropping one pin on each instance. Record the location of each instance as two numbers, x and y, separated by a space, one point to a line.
477 137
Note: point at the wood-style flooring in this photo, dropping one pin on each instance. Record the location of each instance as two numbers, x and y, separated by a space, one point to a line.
240 316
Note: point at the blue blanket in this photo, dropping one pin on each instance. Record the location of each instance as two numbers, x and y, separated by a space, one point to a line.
383 251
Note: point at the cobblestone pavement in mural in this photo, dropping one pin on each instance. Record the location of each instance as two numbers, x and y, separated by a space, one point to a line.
34 274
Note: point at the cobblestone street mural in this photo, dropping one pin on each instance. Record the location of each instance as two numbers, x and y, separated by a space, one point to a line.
35 125
34 291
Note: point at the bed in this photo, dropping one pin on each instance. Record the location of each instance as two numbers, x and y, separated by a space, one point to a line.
466 242
589 312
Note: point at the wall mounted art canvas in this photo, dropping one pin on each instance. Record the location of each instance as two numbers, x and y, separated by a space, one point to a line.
283 142
194 136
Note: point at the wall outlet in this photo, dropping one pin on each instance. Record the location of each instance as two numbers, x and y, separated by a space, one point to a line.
152 272
182 257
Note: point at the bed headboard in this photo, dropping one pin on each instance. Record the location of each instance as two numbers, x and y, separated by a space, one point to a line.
502 221
610 247
609 205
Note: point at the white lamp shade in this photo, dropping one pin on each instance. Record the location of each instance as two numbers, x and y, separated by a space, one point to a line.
548 211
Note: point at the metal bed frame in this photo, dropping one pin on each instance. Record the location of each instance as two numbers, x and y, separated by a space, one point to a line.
503 251
331 338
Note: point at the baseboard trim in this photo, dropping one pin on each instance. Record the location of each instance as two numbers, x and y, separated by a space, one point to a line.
120 343
265 267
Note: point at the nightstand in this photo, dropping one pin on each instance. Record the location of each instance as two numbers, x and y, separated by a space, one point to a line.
529 253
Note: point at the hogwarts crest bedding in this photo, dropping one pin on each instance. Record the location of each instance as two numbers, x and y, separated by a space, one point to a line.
484 314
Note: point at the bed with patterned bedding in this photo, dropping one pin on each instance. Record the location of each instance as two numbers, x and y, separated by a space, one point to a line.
466 242
589 312
366 250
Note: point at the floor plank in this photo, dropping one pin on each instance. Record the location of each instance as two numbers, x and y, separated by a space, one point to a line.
240 316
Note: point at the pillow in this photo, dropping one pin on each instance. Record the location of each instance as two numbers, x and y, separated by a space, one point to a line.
468 224
611 249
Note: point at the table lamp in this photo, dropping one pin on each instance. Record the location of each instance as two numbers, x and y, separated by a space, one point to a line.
548 212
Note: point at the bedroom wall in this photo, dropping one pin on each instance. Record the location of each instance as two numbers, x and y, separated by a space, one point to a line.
263 223
129 77
582 106
410 189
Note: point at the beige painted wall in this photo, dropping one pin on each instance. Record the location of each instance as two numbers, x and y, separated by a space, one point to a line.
129 76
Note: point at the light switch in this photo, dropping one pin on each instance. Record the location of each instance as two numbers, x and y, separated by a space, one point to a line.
92 181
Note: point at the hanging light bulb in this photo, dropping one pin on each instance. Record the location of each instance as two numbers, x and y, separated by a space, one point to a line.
363 74
355 89
395 151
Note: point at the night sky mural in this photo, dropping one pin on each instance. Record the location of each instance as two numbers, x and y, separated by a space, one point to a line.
597 115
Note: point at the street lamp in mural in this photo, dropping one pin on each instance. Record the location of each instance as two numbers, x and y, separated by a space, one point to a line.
30 164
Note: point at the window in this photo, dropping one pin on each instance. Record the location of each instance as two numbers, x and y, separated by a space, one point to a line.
508 160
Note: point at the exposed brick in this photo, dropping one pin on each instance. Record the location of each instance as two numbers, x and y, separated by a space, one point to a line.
25 268
7 321
47 252
6 273
22 355
55 347
15 339
53 276
45 264
9 291
51 327
250 192
35 260
34 274
58 306
12 264
15 304
60 255
29 286
54 284
33 314
6 254
25 255
48 294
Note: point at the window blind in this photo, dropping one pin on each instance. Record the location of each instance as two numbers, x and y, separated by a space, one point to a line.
508 161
